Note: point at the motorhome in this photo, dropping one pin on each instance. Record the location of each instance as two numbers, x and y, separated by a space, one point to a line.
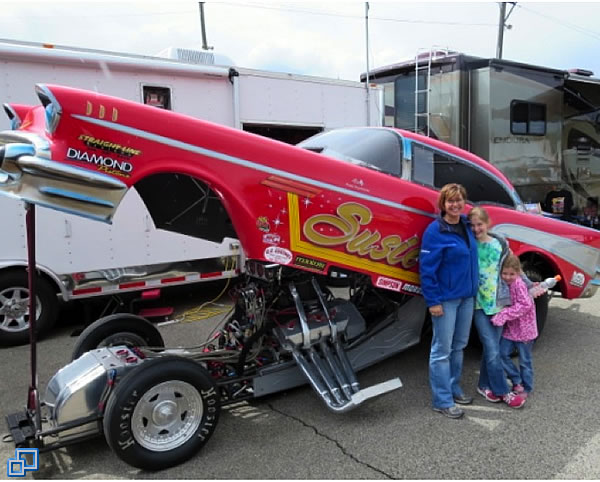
79 258
540 126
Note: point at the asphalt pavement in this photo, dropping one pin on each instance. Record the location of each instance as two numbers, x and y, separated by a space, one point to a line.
292 435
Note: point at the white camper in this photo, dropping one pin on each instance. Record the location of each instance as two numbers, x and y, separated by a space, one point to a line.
80 258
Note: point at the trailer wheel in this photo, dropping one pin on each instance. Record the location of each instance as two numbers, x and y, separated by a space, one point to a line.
117 329
161 413
14 307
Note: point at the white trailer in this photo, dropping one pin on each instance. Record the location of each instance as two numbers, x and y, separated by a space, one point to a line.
80 258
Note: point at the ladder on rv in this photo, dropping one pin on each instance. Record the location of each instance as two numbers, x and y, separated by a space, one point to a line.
423 63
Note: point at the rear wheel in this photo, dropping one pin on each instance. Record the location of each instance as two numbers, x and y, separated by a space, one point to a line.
534 273
118 329
161 413
14 307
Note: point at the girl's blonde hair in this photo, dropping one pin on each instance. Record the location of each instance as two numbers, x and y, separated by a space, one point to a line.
512 261
480 213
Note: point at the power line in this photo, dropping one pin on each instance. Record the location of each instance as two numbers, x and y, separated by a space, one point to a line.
564 23
335 14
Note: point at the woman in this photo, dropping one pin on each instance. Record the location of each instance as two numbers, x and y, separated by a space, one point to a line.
449 280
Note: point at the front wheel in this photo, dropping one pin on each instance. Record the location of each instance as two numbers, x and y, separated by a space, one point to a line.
161 413
117 329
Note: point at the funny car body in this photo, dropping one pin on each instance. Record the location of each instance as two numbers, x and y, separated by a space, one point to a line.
353 201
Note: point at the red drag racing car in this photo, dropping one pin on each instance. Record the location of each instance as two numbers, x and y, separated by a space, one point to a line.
352 201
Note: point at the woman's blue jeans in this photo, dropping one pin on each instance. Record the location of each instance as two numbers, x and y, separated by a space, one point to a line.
523 375
450 336
491 372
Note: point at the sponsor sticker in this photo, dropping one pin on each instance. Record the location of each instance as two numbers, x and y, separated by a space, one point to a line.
578 279
412 289
310 263
108 146
278 255
106 164
262 223
388 283
271 238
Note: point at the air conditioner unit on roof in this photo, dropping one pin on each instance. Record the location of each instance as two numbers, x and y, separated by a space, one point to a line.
191 56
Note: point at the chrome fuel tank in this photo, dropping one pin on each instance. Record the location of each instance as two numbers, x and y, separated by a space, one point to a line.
79 390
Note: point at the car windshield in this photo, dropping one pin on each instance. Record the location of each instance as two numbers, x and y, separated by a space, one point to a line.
378 148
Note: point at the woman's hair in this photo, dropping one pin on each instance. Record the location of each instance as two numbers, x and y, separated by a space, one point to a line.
450 191
512 261
480 213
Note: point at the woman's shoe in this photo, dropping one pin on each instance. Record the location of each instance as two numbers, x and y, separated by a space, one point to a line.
450 412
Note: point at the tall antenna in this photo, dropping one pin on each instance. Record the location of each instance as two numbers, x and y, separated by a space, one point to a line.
368 101
203 28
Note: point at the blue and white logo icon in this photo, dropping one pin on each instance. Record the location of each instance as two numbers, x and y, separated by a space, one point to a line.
19 466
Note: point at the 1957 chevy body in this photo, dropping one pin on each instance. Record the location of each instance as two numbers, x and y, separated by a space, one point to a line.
352 201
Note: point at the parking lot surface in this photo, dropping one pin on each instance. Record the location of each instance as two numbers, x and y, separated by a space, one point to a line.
292 435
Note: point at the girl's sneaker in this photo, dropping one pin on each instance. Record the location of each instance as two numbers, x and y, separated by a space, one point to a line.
513 400
518 388
488 395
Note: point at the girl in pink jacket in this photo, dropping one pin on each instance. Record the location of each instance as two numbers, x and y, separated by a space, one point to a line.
520 328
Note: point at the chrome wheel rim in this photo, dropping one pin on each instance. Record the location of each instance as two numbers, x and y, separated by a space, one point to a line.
167 416
14 308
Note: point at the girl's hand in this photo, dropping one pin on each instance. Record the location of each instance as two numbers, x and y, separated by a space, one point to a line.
436 310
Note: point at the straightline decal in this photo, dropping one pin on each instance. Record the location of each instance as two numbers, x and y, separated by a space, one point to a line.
245 163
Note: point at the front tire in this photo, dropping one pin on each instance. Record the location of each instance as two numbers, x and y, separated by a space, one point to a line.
117 329
14 307
162 413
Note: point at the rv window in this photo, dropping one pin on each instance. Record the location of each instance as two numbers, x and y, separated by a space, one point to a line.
435 169
157 96
527 118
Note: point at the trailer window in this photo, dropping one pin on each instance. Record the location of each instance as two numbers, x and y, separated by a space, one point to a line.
527 118
435 169
157 96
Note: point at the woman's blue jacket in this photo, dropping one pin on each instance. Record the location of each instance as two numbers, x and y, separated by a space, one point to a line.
448 265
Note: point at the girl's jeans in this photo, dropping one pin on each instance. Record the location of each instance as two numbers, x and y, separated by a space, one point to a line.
450 336
524 374
491 373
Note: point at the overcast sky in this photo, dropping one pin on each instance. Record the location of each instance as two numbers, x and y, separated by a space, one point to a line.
325 38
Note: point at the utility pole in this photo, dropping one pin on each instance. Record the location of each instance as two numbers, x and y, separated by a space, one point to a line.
367 79
502 25
203 28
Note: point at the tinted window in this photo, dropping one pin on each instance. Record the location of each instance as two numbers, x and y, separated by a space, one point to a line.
377 147
434 168
527 118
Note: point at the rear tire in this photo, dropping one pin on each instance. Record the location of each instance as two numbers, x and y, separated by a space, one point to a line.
161 413
14 307
541 302
118 329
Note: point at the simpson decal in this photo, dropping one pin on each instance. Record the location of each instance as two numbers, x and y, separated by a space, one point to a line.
388 283
278 255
